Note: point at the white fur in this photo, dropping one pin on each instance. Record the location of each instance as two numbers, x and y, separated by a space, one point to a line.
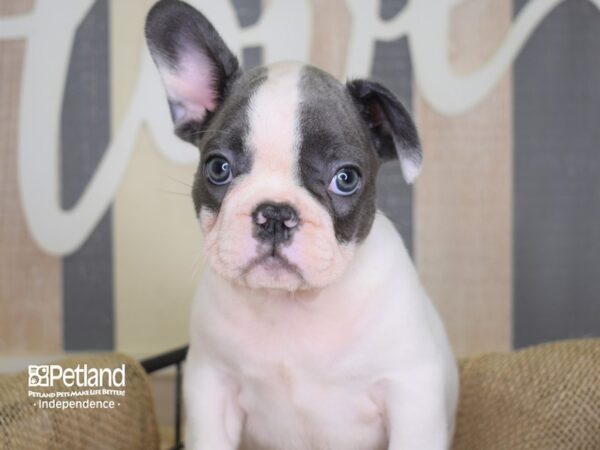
273 118
410 169
363 363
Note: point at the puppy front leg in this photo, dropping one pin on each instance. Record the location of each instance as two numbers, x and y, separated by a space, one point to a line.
416 412
214 421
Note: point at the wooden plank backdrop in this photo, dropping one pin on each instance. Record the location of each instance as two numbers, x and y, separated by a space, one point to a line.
463 196
157 239
457 220
30 280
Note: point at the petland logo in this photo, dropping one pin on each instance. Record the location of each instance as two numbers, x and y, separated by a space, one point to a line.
81 381
90 377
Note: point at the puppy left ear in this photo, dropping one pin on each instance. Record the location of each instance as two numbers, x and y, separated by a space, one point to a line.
195 65
393 132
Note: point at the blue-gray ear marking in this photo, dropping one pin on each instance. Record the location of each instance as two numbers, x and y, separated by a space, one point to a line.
393 132
195 64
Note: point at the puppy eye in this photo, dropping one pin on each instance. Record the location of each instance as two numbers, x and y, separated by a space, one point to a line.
218 170
345 182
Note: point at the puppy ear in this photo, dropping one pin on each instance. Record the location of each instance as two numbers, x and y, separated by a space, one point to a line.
195 65
393 132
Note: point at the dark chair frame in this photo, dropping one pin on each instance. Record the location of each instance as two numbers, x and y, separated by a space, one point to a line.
175 358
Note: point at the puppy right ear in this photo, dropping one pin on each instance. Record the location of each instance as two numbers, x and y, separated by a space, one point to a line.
195 65
393 132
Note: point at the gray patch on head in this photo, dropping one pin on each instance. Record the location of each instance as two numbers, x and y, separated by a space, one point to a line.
333 135
225 135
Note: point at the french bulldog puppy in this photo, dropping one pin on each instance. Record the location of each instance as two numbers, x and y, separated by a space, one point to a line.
310 329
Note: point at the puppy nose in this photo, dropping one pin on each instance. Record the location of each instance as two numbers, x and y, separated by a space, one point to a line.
274 222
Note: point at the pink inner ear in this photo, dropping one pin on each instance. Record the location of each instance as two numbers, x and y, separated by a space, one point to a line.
192 86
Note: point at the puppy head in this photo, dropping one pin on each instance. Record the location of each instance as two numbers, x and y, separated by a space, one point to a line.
285 187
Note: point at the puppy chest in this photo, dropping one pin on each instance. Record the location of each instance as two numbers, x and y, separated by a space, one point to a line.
286 409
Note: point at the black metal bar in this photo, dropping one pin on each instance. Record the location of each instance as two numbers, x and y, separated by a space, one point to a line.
178 443
164 360
172 358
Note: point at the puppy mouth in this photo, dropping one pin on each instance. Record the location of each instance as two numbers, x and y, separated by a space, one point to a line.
274 262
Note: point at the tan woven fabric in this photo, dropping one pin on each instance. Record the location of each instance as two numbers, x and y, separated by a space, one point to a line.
546 397
129 426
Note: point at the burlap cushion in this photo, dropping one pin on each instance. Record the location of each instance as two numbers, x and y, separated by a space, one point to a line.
129 426
545 397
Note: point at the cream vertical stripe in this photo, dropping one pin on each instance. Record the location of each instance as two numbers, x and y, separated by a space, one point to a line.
15 7
463 197
156 239
30 286
331 27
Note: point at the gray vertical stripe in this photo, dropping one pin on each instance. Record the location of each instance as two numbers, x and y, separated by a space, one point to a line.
252 57
85 133
393 68
557 178
389 8
248 13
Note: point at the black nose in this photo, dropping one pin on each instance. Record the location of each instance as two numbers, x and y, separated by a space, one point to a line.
274 222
